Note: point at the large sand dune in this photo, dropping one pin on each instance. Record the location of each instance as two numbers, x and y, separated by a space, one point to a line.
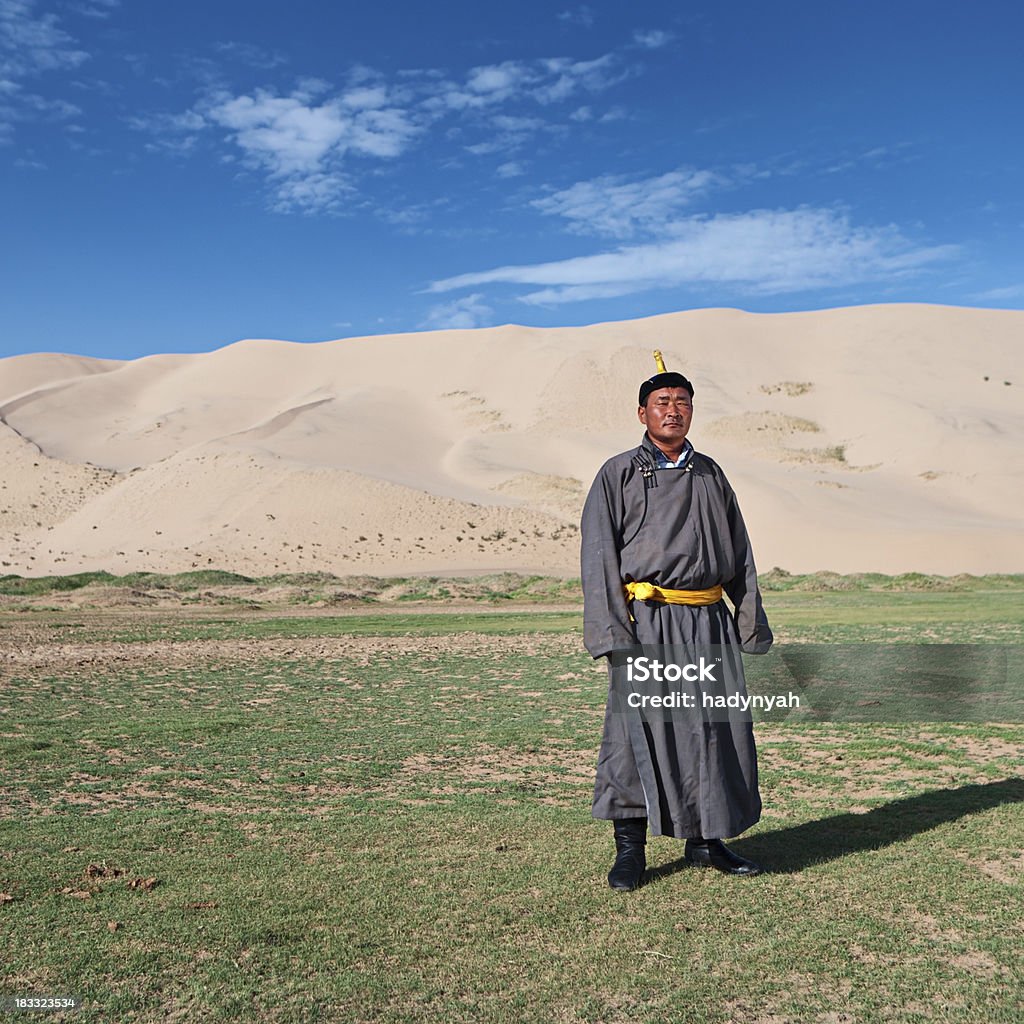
884 438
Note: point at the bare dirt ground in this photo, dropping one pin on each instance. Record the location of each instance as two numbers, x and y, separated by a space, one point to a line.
43 642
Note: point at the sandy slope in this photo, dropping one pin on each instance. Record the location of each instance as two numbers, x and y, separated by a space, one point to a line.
873 438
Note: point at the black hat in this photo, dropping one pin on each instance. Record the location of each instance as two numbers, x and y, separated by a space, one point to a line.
662 379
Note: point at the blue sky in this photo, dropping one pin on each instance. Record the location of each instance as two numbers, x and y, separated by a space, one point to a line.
175 177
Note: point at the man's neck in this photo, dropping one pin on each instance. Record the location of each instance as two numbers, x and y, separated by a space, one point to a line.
672 454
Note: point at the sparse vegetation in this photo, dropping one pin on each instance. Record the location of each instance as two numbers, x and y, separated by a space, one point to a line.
789 388
207 586
178 582
385 817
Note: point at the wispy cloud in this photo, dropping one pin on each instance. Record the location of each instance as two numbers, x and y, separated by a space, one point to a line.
611 206
31 45
573 76
1011 291
50 109
582 15
488 85
290 134
306 141
544 81
878 158
509 133
464 313
652 39
253 56
761 252
511 169
319 190
302 143
101 9
173 133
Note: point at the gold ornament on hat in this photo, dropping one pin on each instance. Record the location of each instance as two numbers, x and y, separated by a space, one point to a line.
659 361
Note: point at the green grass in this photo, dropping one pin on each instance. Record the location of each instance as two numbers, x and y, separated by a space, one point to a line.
386 818
503 587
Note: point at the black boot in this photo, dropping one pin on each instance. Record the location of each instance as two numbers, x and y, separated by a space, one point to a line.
630 861
713 853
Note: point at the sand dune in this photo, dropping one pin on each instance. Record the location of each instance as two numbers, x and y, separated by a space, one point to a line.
881 438
26 374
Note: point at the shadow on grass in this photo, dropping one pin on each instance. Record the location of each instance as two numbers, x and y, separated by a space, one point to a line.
788 850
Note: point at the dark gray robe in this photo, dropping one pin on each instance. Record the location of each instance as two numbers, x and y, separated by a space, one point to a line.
677 528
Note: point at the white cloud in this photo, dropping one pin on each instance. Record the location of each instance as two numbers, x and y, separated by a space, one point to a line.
488 85
102 9
1012 291
382 133
305 141
652 39
582 15
462 313
512 169
311 193
877 158
498 80
510 133
545 81
172 133
31 45
251 55
189 121
371 97
610 206
510 123
572 76
281 132
761 252
302 144
409 218
55 110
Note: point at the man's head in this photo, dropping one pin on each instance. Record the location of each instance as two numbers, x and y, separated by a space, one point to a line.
666 407
666 412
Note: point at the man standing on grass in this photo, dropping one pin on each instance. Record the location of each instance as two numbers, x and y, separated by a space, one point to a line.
662 539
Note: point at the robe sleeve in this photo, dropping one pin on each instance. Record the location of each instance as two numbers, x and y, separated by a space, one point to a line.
742 590
606 622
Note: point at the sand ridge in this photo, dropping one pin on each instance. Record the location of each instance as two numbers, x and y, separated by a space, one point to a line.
878 438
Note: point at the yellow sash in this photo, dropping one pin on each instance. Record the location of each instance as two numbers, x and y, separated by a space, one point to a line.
644 591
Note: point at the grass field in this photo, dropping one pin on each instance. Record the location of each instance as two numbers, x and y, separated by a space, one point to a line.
213 814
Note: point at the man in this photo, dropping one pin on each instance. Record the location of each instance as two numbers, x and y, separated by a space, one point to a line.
664 514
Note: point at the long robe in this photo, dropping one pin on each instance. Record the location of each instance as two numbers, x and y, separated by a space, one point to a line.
682 529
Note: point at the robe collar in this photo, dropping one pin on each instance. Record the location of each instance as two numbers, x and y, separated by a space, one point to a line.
660 459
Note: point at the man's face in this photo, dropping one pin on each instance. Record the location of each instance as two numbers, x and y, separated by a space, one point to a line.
667 416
